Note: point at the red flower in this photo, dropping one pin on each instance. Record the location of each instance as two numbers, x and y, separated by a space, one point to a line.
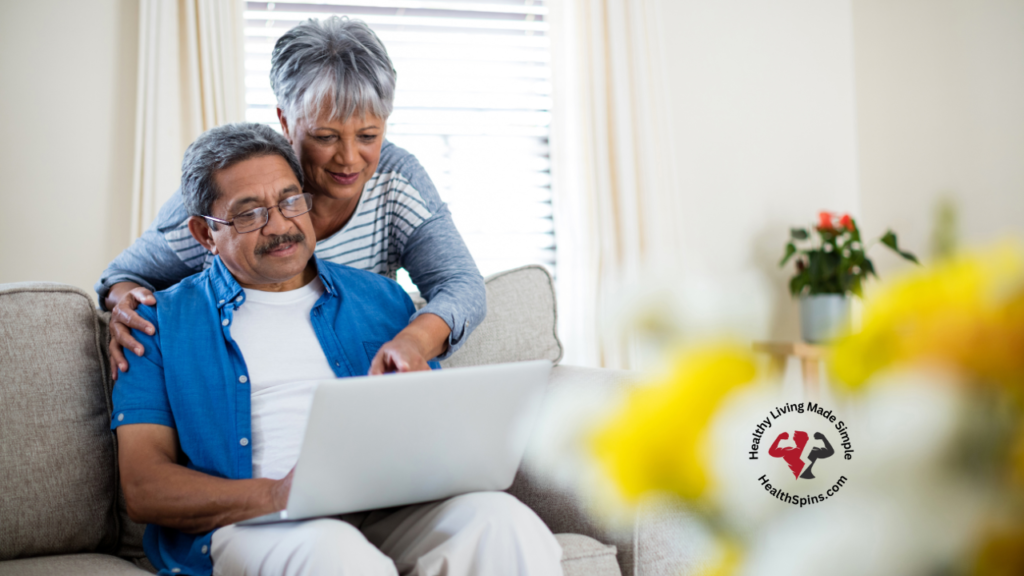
825 221
846 222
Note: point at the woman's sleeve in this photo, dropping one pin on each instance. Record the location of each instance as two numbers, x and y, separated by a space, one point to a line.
440 265
151 261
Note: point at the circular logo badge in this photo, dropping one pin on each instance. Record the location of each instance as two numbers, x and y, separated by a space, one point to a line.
802 444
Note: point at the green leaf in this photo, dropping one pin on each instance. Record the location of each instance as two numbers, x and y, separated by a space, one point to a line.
798 233
909 256
868 268
889 239
856 287
826 272
814 268
831 266
798 282
790 250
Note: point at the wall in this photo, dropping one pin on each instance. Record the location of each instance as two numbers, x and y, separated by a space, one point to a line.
940 106
764 136
68 101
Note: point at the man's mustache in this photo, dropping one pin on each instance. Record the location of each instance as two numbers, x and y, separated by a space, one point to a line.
276 241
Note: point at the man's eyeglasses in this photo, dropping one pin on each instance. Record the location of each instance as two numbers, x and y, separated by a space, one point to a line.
257 218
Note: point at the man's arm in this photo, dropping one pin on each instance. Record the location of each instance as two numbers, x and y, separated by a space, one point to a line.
160 491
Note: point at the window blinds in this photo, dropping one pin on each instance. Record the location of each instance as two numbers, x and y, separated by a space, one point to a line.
473 103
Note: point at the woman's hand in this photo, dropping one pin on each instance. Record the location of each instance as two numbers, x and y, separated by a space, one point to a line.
122 300
424 338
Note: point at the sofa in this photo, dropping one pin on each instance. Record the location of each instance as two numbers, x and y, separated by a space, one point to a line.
61 507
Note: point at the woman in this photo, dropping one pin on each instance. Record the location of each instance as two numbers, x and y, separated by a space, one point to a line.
374 206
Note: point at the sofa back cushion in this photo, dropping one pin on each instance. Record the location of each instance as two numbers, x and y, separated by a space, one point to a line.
56 448
521 322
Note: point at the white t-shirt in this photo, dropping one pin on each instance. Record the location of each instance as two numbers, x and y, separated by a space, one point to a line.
284 358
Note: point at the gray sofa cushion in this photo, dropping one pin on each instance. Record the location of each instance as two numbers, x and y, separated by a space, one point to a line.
77 564
57 455
521 322
130 544
583 556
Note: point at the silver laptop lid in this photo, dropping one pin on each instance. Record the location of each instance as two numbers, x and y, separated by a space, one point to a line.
379 441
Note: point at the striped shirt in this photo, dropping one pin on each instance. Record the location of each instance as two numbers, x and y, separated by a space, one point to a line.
400 222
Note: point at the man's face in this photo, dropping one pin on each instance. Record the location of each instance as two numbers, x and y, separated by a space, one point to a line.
274 257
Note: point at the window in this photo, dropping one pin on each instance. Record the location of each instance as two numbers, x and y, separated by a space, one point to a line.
473 103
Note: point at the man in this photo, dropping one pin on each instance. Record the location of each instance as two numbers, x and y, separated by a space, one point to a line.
209 421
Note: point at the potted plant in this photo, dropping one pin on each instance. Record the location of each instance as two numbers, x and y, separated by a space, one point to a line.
828 269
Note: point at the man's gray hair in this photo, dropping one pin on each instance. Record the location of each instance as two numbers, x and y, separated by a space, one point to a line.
332 68
220 148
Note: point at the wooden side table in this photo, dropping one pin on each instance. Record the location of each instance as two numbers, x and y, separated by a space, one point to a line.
810 357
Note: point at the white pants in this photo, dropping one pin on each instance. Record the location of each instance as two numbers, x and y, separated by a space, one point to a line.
486 533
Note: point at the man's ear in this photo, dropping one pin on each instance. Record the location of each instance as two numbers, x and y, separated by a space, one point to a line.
202 233
284 126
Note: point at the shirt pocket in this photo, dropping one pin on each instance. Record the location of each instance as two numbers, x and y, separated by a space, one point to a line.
371 348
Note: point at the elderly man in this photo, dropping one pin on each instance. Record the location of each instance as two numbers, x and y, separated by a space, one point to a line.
209 421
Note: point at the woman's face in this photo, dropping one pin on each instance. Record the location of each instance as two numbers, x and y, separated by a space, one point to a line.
337 158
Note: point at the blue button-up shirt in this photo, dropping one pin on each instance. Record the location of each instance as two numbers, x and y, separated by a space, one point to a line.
193 378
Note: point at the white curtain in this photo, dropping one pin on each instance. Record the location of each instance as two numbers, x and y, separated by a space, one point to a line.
614 183
191 79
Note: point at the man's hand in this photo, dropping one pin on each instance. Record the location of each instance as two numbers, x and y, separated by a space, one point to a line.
280 490
122 300
424 338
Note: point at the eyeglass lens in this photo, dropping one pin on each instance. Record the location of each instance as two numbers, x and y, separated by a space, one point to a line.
257 218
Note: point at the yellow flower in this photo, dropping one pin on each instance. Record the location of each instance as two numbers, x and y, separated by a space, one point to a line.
966 313
728 564
657 442
1001 553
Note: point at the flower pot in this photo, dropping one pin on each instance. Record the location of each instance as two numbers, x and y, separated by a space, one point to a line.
822 316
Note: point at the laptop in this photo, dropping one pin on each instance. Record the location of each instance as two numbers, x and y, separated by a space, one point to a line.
380 441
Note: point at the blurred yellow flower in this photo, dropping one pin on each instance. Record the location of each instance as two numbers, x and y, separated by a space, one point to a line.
657 441
1001 554
729 563
965 313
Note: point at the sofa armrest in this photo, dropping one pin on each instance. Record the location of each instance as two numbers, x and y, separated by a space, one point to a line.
663 539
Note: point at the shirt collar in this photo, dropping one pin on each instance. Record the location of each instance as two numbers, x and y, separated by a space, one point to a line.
325 278
226 289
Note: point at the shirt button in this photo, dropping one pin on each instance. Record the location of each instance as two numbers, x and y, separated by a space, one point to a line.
175 570
225 322
205 549
336 363
244 441
243 379
239 299
120 417
221 302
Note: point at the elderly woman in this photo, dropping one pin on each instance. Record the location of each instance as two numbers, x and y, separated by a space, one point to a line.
374 206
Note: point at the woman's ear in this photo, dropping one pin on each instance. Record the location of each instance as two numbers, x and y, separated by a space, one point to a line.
202 231
284 126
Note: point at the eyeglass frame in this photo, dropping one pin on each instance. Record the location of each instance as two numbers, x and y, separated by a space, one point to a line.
309 206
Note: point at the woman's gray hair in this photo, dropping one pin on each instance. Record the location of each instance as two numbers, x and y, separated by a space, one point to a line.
336 63
220 148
